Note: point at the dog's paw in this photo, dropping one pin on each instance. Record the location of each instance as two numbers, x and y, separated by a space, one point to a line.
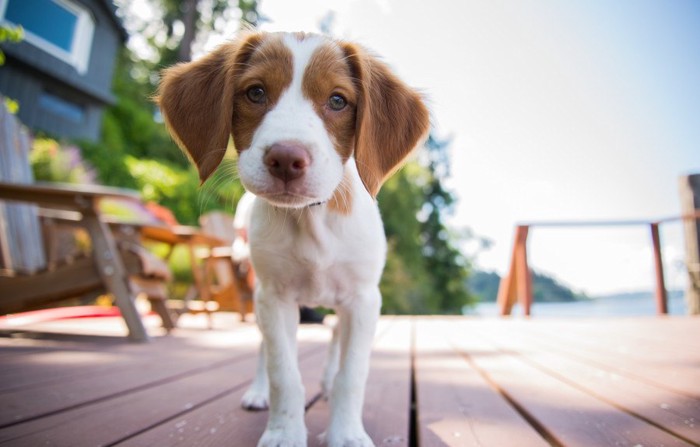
255 399
283 438
346 438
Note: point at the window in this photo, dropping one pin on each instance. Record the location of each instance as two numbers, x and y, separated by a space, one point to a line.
58 106
62 28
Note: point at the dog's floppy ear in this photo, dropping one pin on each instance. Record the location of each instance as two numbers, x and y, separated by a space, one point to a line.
391 119
196 100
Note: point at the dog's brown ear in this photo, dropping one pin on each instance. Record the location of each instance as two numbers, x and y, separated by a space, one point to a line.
391 119
196 100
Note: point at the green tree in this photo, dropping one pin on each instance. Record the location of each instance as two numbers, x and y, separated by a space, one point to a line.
184 23
426 272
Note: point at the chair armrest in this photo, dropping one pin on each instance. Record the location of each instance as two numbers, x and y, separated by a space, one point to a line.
62 196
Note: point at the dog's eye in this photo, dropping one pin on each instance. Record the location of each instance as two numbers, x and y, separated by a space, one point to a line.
256 94
337 102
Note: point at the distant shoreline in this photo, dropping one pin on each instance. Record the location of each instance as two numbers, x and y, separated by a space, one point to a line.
640 303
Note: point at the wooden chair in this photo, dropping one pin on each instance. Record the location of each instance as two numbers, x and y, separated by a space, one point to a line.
227 283
31 274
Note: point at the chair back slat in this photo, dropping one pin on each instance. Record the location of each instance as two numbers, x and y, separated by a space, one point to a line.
21 243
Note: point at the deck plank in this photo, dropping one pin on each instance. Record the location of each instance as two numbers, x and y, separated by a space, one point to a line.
75 357
488 382
658 364
128 369
387 396
671 411
456 405
222 421
121 416
570 416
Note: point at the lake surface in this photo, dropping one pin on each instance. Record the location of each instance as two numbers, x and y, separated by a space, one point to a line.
598 307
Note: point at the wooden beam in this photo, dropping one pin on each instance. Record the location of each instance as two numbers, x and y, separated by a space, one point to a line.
690 205
661 298
516 285
507 288
113 273
524 279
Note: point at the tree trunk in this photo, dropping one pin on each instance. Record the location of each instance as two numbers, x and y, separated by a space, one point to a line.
189 19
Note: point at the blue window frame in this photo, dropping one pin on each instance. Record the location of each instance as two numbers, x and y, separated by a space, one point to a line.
62 28
46 19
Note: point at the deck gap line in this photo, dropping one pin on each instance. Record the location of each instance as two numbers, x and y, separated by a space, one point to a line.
221 395
594 394
319 396
179 414
163 381
413 400
531 419
316 397
591 360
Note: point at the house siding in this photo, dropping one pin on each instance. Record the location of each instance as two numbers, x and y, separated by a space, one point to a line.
30 72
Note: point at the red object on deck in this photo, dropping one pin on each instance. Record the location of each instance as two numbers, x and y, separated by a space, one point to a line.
59 313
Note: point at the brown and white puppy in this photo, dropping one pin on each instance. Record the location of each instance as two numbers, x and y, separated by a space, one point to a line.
318 124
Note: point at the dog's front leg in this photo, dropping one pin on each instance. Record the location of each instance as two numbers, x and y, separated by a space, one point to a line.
278 322
357 323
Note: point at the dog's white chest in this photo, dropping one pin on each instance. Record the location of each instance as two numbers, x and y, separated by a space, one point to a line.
315 258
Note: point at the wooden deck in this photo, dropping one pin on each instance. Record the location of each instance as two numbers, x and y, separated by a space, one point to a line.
483 382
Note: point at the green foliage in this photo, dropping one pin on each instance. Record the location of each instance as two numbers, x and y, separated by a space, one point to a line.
130 125
545 288
425 273
10 34
178 188
52 162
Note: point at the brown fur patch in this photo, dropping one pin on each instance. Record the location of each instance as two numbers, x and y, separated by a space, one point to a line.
328 74
270 67
203 102
391 118
341 201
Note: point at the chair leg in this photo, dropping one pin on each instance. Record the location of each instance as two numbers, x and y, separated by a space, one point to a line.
168 317
113 274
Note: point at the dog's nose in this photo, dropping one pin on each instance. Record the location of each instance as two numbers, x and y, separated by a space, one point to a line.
287 161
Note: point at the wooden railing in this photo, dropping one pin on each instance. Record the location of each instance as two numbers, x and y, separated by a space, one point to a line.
516 286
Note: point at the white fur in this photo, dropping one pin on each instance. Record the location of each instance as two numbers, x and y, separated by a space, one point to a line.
311 255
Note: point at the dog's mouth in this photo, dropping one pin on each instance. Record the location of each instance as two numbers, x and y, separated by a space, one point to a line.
289 199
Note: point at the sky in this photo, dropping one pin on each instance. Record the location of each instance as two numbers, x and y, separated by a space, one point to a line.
579 110
576 110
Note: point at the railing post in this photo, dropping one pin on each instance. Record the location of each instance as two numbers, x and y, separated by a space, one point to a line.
690 206
506 290
517 284
524 280
661 299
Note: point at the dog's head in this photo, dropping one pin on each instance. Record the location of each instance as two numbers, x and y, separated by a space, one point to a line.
298 107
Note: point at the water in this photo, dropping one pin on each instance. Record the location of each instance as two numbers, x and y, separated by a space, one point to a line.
619 306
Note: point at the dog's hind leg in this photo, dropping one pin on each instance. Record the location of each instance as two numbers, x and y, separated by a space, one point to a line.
257 397
332 363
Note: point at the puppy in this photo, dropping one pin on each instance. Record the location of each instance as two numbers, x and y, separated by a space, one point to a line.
318 124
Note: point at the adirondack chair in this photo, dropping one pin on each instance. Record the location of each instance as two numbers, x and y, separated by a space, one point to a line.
224 281
31 276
